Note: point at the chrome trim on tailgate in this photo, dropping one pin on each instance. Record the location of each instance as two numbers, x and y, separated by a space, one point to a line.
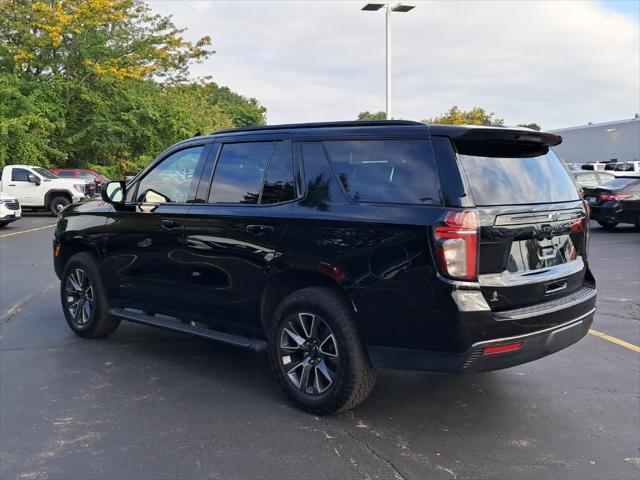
506 279
539 217
579 296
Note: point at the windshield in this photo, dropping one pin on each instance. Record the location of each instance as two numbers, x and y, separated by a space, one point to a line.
619 183
522 180
44 173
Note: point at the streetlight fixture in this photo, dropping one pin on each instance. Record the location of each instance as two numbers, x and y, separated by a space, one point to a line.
401 8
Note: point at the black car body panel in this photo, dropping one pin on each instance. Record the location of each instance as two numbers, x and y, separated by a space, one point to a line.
226 264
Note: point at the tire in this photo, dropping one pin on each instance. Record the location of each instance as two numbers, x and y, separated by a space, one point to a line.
339 374
56 204
607 225
90 318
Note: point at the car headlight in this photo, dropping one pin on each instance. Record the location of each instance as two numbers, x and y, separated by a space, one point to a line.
2 202
79 188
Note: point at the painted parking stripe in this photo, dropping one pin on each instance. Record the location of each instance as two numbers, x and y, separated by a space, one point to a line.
27 231
617 341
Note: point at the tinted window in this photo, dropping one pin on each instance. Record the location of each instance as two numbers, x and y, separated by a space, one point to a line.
278 184
508 181
239 172
388 171
171 179
321 185
67 174
44 173
19 175
88 176
619 183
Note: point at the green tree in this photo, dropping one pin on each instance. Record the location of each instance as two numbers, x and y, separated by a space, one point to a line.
475 116
532 126
372 115
103 83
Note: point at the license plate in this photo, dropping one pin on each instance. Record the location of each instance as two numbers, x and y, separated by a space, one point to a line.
591 199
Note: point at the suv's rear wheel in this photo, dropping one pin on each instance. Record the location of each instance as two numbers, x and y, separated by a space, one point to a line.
607 225
57 204
317 354
83 300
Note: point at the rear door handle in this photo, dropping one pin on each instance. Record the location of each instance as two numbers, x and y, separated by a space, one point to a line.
12 184
171 224
260 229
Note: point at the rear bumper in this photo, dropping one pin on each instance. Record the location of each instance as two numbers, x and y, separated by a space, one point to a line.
612 212
536 344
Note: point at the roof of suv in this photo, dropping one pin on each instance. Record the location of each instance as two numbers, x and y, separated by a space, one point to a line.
458 132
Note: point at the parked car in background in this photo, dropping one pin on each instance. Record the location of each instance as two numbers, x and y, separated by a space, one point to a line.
617 201
10 210
341 248
37 187
597 166
88 175
625 169
586 179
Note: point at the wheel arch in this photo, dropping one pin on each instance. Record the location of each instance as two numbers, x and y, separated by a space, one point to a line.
71 247
51 194
281 284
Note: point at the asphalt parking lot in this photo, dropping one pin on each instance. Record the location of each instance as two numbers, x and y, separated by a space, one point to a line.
151 404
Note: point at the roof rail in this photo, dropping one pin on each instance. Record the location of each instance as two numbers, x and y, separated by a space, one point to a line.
356 123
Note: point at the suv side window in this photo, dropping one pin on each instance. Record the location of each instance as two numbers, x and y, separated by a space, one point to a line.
278 183
239 172
67 174
387 171
88 176
170 180
321 186
19 175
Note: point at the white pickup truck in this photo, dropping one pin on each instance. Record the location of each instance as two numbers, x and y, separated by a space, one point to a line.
37 187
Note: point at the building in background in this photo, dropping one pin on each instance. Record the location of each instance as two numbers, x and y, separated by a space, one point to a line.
597 142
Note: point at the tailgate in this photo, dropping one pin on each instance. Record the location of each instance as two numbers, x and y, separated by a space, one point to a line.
533 223
531 257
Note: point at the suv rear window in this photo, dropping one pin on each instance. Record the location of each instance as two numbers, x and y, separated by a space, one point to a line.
619 183
521 180
386 171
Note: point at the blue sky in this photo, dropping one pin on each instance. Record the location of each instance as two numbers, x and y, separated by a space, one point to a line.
559 63
628 7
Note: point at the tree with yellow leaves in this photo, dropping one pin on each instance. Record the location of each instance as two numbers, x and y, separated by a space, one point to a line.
86 39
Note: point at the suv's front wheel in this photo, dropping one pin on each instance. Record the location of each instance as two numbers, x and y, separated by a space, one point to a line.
317 354
83 299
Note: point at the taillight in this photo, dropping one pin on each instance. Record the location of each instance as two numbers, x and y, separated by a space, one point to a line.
457 245
616 197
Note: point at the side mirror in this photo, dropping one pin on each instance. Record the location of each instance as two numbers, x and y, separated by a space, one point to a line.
33 179
113 193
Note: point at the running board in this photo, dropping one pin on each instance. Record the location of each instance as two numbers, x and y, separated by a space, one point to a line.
176 325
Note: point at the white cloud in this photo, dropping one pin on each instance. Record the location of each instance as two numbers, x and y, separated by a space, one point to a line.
559 63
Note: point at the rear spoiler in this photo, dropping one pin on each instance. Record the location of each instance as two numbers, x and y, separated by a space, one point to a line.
505 142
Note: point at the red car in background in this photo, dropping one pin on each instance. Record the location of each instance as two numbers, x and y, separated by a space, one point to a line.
88 175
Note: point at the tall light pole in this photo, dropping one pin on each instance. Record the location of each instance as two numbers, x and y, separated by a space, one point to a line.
402 8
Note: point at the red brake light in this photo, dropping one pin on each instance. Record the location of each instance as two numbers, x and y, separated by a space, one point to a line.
457 245
605 197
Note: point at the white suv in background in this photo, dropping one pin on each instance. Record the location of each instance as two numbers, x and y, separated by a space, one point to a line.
10 210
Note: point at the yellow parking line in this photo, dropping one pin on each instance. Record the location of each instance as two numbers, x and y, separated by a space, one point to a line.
617 341
27 231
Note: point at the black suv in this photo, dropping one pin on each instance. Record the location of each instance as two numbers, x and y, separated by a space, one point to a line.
341 248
